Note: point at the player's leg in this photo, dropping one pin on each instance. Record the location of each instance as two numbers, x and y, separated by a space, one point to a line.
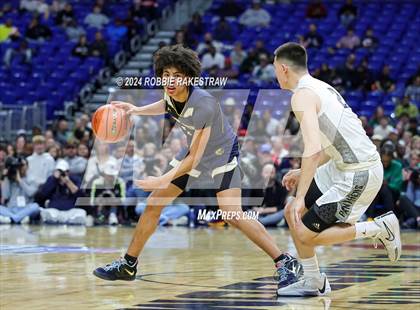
126 268
229 199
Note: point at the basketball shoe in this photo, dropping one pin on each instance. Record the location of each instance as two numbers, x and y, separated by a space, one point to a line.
389 235
117 270
289 270
307 287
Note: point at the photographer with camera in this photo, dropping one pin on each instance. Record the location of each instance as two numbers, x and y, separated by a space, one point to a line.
59 193
107 194
17 192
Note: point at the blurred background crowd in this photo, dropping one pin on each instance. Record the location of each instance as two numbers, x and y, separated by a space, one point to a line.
373 63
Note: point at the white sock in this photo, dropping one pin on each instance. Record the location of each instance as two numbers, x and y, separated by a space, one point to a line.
310 267
366 230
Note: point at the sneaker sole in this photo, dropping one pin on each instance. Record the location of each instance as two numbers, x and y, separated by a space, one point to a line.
103 277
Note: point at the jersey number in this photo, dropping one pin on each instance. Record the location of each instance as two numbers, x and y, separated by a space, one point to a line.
339 98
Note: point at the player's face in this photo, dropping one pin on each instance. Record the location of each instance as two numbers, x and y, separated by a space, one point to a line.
175 87
281 71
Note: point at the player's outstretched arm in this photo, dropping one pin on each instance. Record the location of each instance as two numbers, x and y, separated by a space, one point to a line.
156 108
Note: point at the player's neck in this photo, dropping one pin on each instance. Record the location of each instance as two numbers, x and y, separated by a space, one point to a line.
294 79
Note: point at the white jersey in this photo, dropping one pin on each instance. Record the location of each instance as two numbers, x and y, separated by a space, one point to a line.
343 137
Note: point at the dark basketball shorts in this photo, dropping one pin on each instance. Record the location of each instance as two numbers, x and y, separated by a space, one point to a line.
337 196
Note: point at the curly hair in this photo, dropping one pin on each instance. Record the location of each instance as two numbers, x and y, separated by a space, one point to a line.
184 59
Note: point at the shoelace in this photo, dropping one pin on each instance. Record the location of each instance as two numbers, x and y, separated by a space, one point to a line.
115 264
281 274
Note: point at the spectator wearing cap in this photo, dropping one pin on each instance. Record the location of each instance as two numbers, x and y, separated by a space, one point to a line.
17 191
384 128
264 154
59 194
107 194
41 164
377 140
406 107
77 164
255 16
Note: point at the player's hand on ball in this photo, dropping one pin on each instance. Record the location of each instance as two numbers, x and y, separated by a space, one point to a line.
127 107
151 183
291 179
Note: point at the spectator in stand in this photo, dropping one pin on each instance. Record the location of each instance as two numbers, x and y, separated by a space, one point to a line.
35 6
3 156
196 27
223 30
384 82
366 126
17 191
260 48
324 73
130 164
59 196
81 50
409 203
6 9
134 26
230 8
228 71
237 55
20 144
99 47
8 31
377 116
279 153
271 210
57 6
83 151
349 72
271 123
364 78
22 51
312 39
96 19
250 61
255 16
37 31
62 132
73 30
264 71
406 107
116 31
370 42
392 184
347 13
350 40
81 127
108 192
383 129
97 161
65 16
147 9
316 9
40 164
213 59
77 164
179 38
208 41
413 90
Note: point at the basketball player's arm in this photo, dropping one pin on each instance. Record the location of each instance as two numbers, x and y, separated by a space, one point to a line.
156 108
304 104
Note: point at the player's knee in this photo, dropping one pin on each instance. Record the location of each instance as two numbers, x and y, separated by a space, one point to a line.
288 213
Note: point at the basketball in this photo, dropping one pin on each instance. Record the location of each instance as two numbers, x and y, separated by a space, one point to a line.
110 123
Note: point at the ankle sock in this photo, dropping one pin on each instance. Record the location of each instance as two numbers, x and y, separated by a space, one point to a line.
131 260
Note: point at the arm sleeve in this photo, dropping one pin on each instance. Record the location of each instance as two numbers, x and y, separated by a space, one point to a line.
204 115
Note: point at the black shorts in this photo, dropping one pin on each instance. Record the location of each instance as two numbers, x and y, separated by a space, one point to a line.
220 182
318 218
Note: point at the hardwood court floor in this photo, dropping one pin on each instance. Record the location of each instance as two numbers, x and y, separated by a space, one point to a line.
50 267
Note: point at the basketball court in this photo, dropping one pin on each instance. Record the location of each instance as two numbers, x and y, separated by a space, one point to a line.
45 267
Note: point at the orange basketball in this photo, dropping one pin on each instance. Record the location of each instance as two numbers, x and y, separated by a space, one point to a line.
110 123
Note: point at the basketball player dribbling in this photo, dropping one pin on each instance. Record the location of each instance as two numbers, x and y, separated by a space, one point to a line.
340 174
213 154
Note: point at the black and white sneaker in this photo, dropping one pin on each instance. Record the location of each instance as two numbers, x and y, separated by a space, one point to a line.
289 270
117 270
389 235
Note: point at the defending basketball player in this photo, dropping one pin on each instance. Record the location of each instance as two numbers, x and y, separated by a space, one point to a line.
340 174
213 153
